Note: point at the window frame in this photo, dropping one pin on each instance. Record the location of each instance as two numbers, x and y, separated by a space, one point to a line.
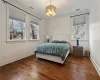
7 26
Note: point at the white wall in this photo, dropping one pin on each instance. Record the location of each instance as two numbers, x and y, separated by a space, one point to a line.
95 33
63 25
58 25
12 51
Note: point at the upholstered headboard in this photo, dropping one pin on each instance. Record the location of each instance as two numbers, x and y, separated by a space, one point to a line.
60 36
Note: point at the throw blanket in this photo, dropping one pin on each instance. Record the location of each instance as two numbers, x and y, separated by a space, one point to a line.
55 49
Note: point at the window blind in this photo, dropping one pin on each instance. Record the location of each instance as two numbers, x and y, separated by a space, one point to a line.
79 20
16 14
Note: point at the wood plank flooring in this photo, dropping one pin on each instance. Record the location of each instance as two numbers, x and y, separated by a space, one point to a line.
32 68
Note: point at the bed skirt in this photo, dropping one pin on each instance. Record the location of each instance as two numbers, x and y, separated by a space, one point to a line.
52 58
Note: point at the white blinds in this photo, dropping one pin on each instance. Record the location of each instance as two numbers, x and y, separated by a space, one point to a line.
34 20
79 20
16 14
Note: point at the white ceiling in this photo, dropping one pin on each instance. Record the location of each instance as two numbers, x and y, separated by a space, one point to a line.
64 7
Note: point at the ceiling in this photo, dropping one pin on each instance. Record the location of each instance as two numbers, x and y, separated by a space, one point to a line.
64 7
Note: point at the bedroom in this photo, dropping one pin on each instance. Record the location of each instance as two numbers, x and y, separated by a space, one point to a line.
27 25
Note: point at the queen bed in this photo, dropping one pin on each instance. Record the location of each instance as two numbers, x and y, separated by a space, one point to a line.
57 50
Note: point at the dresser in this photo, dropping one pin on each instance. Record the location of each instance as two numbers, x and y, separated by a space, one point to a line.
78 51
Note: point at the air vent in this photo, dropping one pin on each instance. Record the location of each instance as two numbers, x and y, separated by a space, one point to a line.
77 9
31 7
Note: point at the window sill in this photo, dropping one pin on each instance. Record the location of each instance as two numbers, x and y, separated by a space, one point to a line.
16 40
34 39
79 39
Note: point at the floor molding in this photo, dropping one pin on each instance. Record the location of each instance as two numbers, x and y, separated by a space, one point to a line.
95 65
15 59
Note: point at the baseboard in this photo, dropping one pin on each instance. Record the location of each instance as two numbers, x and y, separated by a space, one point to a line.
14 59
95 65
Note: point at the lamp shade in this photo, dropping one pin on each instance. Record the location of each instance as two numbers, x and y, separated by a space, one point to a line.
50 10
47 37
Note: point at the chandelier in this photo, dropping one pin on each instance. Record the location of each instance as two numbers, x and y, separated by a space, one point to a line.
50 10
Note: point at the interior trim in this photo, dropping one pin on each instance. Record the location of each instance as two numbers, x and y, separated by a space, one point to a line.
95 65
12 3
79 15
8 61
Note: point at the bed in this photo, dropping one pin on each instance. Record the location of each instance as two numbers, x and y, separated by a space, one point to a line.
57 50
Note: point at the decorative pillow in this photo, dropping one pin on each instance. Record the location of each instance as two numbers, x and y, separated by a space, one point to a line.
56 41
63 42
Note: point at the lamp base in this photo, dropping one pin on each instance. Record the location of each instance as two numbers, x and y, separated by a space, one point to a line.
48 40
77 42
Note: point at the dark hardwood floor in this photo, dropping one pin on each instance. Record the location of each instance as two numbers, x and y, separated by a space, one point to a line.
32 68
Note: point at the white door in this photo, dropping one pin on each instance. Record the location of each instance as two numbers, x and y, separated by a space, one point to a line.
0 34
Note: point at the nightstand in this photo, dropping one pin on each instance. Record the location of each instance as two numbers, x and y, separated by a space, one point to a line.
78 51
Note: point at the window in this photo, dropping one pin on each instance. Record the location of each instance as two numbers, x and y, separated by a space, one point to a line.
34 31
17 29
79 32
16 25
79 28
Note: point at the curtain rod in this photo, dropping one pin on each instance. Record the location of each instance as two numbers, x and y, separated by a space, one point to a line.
79 15
22 10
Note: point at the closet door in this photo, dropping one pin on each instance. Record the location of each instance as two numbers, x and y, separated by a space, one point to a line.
0 33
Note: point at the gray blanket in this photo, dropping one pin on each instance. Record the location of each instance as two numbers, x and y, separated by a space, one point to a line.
55 49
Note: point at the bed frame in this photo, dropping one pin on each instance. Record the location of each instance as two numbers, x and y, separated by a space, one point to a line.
52 58
57 59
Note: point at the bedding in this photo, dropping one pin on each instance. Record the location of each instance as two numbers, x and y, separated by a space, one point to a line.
55 49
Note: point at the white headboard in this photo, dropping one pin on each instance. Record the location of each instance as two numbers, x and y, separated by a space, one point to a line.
60 36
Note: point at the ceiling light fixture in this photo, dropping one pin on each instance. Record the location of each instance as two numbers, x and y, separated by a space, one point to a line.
50 10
